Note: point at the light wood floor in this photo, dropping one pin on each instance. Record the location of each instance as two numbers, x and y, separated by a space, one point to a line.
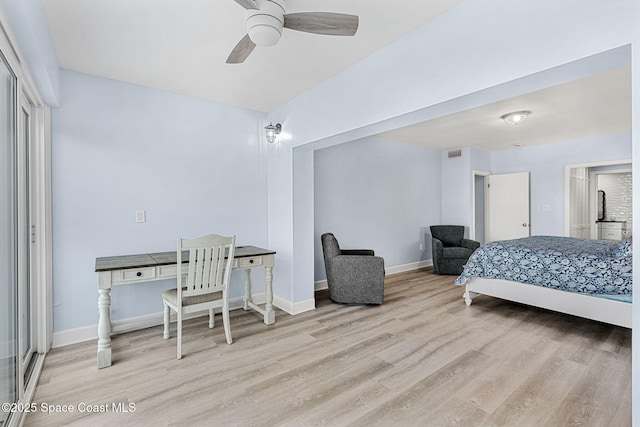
423 358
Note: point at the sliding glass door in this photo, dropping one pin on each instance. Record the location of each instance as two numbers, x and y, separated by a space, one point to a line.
8 240
25 232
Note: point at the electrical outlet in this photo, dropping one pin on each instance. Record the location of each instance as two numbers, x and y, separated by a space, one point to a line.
141 216
422 246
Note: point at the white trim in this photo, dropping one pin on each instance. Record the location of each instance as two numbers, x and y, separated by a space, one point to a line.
88 333
294 308
45 248
408 267
322 284
472 227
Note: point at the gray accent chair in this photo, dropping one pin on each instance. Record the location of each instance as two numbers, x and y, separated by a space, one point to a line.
354 276
449 248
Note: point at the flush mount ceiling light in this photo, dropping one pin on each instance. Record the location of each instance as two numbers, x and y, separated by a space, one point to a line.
273 131
516 117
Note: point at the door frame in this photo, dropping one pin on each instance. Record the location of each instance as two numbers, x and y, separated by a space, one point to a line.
567 186
472 227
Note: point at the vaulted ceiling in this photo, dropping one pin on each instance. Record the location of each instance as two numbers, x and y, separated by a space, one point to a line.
181 47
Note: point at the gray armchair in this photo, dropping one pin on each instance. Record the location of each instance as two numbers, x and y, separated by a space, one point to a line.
450 250
354 276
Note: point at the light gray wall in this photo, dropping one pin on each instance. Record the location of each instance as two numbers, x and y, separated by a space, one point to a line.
29 25
457 185
377 194
394 85
456 192
370 184
194 166
546 164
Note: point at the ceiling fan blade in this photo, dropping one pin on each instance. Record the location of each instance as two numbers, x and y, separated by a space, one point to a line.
242 50
247 4
333 24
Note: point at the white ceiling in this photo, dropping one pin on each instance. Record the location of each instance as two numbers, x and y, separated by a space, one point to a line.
181 45
588 107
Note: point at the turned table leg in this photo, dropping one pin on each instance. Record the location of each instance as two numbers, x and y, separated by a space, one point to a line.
270 314
104 328
247 289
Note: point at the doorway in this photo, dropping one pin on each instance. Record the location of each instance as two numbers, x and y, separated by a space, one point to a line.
598 196
479 206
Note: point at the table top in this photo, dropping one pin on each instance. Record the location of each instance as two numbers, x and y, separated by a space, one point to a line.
164 258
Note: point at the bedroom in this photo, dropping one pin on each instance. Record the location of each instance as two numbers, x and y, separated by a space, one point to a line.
286 224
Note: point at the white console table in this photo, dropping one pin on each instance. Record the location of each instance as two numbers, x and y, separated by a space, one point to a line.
131 269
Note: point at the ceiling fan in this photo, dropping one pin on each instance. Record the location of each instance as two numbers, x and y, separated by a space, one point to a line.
266 19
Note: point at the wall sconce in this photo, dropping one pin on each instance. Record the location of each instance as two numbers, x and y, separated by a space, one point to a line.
516 117
273 131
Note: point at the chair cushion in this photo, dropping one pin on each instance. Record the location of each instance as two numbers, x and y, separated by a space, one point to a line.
449 235
171 295
456 252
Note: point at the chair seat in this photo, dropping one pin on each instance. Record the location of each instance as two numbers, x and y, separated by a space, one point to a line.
456 252
171 295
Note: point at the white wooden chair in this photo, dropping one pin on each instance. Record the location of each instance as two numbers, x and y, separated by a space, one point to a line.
206 283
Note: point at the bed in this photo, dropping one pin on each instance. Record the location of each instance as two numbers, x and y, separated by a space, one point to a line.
586 278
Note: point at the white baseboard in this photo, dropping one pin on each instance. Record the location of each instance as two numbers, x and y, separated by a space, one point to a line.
88 333
322 284
408 267
294 308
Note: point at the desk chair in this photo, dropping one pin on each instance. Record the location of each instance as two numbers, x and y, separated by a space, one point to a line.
206 283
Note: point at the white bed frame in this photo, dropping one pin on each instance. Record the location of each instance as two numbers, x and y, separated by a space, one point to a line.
595 308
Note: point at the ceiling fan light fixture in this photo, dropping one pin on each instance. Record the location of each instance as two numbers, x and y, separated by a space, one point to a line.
265 25
516 117
264 35
266 19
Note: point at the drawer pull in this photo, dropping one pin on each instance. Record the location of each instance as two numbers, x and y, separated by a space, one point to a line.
139 273
250 261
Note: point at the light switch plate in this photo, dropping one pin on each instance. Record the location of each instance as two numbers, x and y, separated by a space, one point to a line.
141 216
546 208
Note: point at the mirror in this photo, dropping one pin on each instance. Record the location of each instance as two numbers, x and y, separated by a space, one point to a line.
601 205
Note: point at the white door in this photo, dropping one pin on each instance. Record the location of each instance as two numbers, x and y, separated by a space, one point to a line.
508 206
579 222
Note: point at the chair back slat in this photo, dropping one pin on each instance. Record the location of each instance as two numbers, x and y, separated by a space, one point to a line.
216 277
210 263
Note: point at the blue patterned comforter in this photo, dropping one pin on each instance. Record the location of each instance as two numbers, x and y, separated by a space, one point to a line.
594 267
